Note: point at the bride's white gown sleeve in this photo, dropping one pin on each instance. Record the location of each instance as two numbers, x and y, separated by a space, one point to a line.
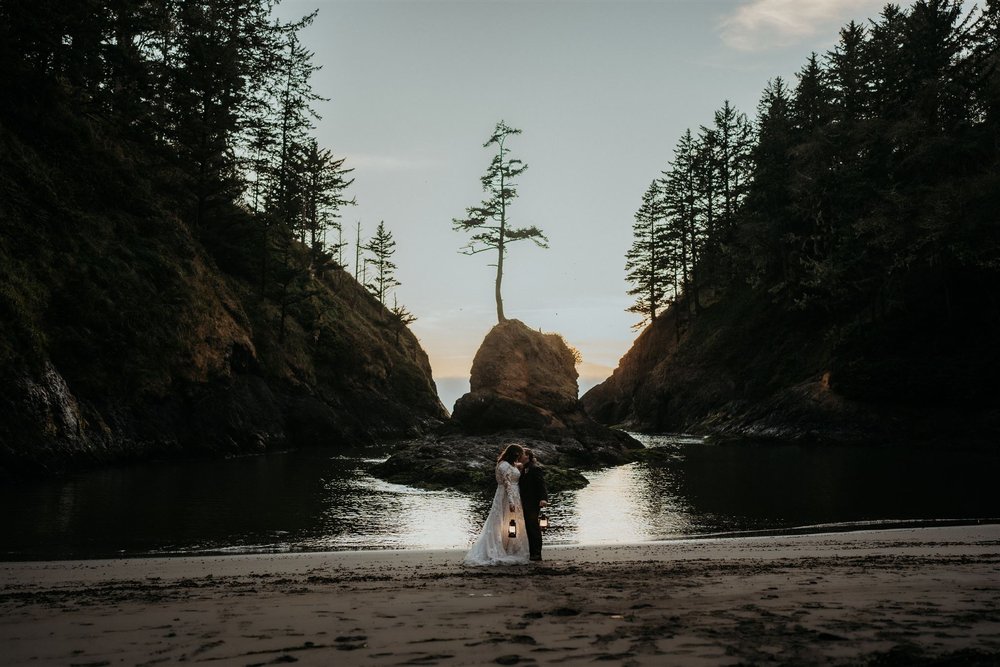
493 546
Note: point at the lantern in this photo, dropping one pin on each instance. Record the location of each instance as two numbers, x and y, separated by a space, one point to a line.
543 522
512 528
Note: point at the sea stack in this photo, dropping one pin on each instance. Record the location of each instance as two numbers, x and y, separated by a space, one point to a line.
523 389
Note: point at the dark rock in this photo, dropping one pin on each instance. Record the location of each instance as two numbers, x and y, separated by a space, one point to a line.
524 382
710 375
523 389
467 463
479 413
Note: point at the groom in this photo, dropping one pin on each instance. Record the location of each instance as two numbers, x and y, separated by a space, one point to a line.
533 497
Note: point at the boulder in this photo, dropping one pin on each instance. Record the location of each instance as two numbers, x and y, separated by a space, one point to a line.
466 463
523 389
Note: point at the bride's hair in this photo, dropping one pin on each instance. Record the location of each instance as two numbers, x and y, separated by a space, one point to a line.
511 453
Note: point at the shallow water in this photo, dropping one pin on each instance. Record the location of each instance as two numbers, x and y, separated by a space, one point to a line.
313 500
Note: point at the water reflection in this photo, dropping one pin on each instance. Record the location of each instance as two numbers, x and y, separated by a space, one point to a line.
630 503
312 500
403 517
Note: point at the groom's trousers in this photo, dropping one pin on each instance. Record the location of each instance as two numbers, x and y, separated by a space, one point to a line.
534 532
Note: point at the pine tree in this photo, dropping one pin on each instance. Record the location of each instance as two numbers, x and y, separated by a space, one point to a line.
733 141
812 185
769 199
382 247
849 74
680 199
325 183
489 222
283 219
888 67
207 88
708 194
645 263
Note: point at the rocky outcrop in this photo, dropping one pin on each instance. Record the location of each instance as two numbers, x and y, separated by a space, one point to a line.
744 370
523 388
368 382
520 377
122 337
467 462
694 377
525 381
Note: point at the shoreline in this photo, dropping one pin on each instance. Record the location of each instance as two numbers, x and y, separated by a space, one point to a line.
835 528
897 596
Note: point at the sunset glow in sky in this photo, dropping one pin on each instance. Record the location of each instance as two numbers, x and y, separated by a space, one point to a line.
601 90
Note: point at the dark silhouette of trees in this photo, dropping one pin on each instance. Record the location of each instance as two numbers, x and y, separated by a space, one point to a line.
696 204
213 100
489 222
864 197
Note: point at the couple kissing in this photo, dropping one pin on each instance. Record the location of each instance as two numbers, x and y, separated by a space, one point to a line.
519 498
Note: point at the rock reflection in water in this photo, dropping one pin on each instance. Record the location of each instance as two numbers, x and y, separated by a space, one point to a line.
313 501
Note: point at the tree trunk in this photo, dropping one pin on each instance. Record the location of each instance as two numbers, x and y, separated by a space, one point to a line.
500 315
500 242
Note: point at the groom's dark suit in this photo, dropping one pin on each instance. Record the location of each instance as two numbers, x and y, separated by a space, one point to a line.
532 484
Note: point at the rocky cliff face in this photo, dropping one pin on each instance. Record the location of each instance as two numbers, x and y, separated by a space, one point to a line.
122 339
744 370
523 389
524 381
520 379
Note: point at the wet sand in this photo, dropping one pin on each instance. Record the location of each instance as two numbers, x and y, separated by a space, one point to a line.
887 597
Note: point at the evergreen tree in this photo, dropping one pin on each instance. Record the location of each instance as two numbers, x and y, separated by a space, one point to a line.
645 264
708 191
207 86
382 247
984 65
850 78
768 199
733 136
812 101
489 222
680 199
285 205
888 67
812 186
325 183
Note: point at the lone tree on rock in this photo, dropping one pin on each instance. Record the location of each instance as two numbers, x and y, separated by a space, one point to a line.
489 222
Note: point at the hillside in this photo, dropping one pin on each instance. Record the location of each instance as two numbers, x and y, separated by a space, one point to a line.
122 338
748 369
829 270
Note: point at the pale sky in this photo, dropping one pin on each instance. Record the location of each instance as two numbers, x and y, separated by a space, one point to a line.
602 90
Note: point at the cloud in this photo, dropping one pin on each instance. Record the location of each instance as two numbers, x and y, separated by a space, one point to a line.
761 25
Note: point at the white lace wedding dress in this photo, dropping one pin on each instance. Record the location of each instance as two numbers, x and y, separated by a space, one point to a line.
494 546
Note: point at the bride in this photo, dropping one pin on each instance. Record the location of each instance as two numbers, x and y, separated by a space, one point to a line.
494 546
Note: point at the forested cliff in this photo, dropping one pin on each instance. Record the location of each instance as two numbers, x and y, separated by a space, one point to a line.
166 283
831 269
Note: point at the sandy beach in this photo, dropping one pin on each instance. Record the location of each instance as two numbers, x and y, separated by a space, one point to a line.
886 597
